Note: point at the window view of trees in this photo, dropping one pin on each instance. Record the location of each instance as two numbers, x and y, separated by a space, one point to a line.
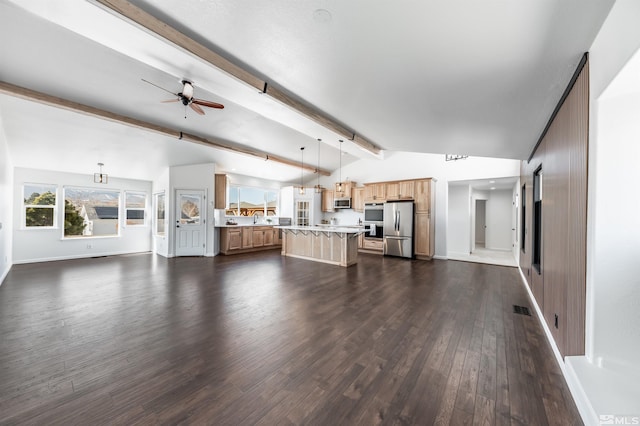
40 205
91 212
248 201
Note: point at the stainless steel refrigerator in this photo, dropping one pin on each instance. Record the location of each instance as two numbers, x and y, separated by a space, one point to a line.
398 228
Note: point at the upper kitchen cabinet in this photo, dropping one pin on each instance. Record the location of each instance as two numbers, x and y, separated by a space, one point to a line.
220 201
392 190
357 199
327 200
375 191
346 190
422 195
406 189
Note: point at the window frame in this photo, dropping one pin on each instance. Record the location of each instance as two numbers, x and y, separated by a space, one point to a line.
118 233
143 209
53 206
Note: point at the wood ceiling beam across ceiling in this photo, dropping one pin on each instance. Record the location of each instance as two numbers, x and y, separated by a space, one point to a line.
43 98
164 30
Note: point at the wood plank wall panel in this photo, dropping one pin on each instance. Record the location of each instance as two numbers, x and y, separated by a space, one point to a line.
577 220
561 288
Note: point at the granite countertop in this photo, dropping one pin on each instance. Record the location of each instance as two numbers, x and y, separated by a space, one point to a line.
339 229
244 225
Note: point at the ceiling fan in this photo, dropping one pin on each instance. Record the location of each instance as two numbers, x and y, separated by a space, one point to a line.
187 99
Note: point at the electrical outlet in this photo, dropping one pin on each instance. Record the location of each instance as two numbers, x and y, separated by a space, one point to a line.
556 320
89 246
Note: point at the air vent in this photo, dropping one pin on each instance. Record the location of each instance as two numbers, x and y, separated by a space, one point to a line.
522 310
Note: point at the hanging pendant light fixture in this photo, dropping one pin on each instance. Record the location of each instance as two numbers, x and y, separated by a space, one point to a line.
318 187
339 186
301 170
100 177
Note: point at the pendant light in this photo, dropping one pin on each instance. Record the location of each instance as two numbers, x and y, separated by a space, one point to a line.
318 187
301 170
339 186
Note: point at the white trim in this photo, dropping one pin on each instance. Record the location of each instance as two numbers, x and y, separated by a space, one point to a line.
4 274
440 257
575 392
78 256
580 397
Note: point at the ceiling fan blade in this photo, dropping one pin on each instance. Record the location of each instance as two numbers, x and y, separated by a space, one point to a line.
196 108
170 100
153 84
207 103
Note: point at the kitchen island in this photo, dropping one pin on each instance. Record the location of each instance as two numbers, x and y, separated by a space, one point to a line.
335 245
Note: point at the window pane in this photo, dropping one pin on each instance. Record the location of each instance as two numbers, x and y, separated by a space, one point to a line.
232 210
39 216
190 209
251 201
160 214
136 200
90 212
272 202
135 217
43 195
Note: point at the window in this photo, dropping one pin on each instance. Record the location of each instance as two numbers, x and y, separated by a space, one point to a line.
523 217
135 203
537 220
160 221
39 205
250 201
91 212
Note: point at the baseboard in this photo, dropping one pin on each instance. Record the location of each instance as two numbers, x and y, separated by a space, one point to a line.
80 256
440 257
587 412
4 274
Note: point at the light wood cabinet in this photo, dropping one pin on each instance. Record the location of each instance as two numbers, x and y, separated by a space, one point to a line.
234 240
220 186
371 245
258 238
375 192
346 190
247 238
242 239
392 190
406 189
422 235
357 199
422 195
327 200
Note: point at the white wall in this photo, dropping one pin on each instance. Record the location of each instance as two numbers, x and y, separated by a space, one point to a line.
37 245
605 380
6 213
499 216
195 176
459 226
411 165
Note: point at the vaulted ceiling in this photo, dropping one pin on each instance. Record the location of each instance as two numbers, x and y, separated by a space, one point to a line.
438 76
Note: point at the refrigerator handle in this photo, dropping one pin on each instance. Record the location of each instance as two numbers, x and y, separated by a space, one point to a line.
397 220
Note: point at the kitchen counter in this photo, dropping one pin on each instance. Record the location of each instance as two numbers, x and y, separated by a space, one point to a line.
244 225
337 245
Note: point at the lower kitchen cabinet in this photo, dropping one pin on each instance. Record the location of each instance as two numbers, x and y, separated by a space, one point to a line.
242 239
424 241
371 245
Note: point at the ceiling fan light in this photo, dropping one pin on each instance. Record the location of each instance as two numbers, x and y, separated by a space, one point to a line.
187 90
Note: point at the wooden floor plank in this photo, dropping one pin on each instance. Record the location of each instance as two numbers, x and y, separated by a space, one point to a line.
261 339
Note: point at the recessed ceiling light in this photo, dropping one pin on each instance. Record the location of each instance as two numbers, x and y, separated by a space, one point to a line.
492 181
322 16
233 169
493 187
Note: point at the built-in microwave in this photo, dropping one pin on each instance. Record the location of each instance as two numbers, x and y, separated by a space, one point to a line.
374 212
342 203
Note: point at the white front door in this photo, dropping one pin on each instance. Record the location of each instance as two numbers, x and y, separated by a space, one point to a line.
190 226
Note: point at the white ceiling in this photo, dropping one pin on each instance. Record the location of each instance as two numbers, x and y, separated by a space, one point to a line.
439 76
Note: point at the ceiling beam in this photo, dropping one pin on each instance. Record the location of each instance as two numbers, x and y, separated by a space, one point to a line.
172 35
43 98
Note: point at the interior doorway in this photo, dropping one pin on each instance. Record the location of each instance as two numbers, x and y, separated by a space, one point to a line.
190 226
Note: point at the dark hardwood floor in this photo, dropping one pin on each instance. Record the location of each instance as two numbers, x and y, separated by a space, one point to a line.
262 339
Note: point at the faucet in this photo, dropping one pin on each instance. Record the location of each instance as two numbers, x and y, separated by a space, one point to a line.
255 219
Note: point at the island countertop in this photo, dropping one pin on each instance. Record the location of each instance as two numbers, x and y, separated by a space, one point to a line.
338 229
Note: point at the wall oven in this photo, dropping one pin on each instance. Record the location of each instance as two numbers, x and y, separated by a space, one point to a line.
373 220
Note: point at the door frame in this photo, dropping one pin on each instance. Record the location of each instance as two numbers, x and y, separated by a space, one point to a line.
176 219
